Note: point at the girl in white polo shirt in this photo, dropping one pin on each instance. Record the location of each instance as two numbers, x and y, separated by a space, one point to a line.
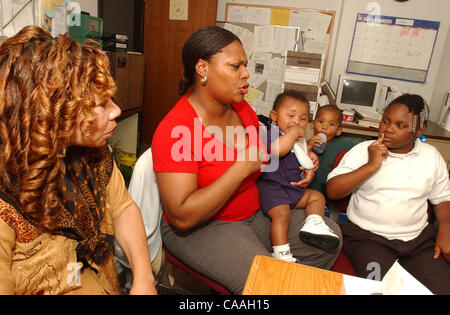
391 181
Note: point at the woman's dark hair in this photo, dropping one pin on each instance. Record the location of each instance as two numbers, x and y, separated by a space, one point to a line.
289 93
202 44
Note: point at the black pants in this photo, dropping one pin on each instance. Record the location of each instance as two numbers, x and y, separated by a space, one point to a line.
368 251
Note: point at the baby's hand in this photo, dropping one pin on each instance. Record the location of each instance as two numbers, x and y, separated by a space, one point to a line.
298 130
314 159
315 141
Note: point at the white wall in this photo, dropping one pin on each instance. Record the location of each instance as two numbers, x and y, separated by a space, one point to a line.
90 6
346 10
442 83
126 134
436 10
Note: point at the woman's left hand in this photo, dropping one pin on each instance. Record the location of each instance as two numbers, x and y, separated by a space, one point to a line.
143 288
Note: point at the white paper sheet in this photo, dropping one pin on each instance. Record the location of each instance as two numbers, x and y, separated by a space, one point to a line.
276 71
9 8
315 43
59 21
360 286
237 14
397 281
285 38
310 21
264 38
258 16
272 91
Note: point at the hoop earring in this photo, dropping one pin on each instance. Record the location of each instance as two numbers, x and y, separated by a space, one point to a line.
204 80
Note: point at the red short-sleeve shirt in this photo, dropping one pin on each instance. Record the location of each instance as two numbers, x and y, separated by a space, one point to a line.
181 144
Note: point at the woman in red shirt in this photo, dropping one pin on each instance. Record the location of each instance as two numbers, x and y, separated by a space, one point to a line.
207 158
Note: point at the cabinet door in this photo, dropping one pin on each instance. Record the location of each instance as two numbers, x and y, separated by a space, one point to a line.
163 42
128 70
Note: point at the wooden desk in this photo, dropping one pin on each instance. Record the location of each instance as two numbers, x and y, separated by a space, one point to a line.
269 276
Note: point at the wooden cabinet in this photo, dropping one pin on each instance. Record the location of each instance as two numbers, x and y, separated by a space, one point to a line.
128 70
163 42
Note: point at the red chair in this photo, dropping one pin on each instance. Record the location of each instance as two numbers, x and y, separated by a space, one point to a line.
210 283
342 264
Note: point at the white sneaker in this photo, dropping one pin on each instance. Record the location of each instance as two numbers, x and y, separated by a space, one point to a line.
316 232
286 256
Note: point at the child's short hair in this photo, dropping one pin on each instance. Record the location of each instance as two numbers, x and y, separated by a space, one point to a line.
416 105
289 93
332 108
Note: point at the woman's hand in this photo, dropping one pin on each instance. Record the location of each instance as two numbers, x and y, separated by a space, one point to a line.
141 287
251 158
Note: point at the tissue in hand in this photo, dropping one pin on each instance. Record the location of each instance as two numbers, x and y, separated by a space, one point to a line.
320 149
301 152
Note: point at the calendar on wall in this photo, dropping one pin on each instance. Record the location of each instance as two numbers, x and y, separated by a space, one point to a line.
392 47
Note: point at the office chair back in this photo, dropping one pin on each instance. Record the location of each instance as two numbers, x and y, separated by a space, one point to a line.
144 190
342 264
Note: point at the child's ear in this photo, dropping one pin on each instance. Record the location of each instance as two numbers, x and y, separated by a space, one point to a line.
273 116
339 131
312 124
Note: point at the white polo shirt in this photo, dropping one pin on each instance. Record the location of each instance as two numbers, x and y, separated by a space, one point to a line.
393 201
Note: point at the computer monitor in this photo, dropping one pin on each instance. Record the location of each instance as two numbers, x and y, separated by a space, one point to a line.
358 93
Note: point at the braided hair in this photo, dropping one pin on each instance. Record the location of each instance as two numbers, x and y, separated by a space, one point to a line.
417 107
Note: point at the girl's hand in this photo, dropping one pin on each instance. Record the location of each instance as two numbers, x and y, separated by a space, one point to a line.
377 153
442 245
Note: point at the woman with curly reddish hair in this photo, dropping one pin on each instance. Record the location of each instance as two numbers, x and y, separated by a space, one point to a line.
62 199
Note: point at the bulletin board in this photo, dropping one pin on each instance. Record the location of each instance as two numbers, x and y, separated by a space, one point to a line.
266 59
314 32
392 47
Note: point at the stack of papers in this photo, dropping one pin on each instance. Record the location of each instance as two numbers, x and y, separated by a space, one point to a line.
367 118
397 281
